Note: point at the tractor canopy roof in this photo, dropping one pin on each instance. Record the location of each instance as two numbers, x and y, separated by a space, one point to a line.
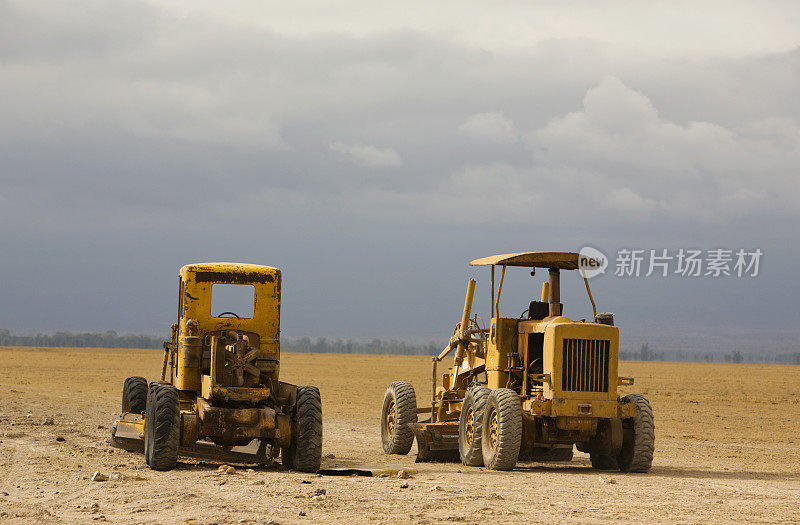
560 260
226 272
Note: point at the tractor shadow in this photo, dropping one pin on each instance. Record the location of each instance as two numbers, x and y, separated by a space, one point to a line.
666 471
213 466
681 472
341 462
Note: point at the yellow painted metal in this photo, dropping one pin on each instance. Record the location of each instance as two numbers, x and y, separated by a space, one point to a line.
190 355
464 325
555 330
577 391
589 291
216 392
577 423
283 424
501 345
196 318
491 296
190 428
236 422
130 426
577 408
462 337
560 260
499 291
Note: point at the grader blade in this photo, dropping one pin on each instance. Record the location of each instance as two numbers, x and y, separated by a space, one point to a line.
436 442
127 433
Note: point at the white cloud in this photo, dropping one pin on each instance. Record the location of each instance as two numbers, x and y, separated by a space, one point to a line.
368 155
637 162
492 126
676 27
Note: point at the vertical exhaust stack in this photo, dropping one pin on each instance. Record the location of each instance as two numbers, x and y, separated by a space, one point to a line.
554 292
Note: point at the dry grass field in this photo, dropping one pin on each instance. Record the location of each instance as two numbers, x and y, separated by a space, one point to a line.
727 450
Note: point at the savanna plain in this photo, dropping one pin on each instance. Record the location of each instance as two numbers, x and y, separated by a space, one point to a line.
727 450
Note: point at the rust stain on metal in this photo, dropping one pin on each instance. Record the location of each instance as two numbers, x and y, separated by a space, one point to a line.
234 277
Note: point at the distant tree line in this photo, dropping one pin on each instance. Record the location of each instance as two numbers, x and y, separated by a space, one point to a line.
645 353
112 339
109 339
375 346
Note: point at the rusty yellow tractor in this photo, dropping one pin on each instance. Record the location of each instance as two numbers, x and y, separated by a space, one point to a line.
219 396
526 388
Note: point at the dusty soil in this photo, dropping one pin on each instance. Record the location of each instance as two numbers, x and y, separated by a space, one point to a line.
727 450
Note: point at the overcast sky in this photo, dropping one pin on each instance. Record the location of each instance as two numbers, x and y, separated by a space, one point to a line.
371 150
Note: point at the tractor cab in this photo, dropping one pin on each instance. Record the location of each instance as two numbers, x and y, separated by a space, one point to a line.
228 329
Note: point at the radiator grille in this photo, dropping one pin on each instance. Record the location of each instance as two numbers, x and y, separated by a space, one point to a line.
585 365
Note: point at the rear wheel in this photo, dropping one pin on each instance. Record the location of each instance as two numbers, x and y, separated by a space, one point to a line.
638 433
398 412
501 435
134 395
162 426
305 451
470 425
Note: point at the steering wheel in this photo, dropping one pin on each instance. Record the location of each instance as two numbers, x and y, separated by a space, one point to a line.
223 314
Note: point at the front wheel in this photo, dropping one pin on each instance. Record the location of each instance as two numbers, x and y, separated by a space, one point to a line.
501 435
305 451
639 437
470 425
398 412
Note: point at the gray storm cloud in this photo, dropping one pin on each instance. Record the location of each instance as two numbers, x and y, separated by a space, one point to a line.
135 137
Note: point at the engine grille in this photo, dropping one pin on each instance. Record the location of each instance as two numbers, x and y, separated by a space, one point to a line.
585 365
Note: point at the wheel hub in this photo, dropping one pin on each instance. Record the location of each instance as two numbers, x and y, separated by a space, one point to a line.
390 418
470 426
493 429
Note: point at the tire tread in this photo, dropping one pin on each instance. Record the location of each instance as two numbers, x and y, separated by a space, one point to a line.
134 395
478 396
405 407
638 456
305 452
165 431
509 432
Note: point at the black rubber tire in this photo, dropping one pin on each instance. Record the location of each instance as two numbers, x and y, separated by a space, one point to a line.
134 395
401 398
162 426
305 451
636 454
147 423
469 442
504 406
148 438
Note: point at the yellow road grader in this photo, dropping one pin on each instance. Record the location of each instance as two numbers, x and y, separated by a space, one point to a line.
526 388
219 396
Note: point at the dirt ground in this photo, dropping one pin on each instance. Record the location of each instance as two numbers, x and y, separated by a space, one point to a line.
727 450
